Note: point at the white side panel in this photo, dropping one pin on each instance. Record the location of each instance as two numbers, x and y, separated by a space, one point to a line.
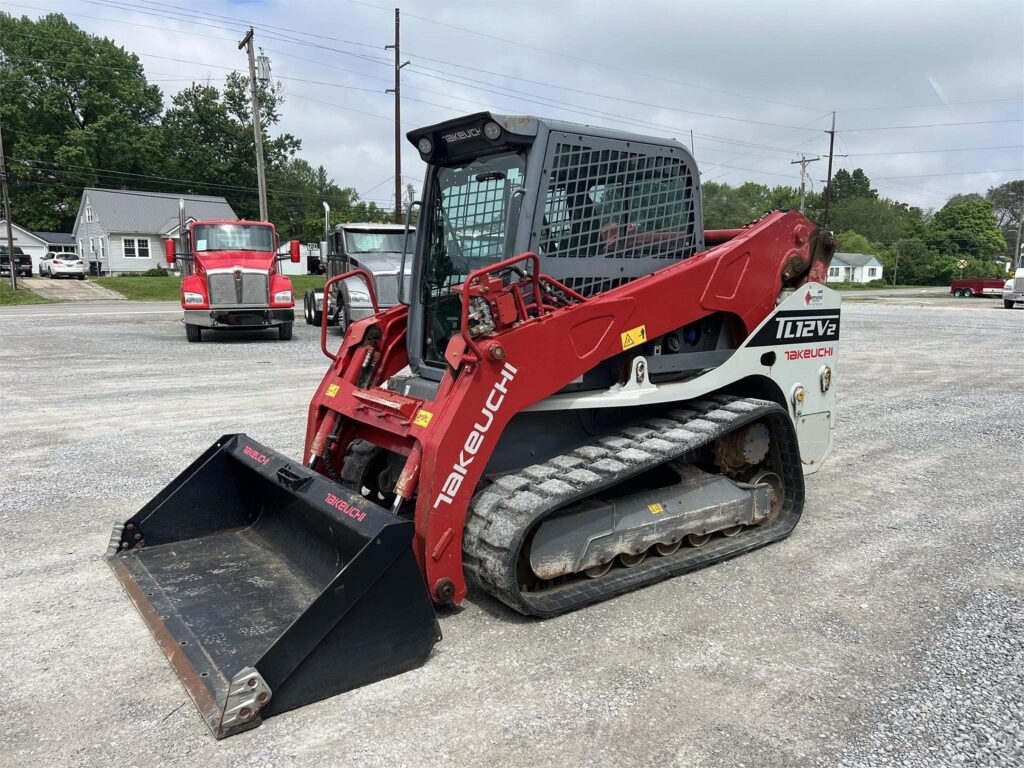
796 347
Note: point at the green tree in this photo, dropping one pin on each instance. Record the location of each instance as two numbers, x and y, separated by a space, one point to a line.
968 229
854 242
847 186
207 139
76 111
1008 204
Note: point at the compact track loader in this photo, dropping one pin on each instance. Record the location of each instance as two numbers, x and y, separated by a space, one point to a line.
587 393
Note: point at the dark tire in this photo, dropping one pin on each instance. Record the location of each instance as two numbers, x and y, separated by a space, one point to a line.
193 332
307 310
81 277
316 315
284 331
1007 304
49 274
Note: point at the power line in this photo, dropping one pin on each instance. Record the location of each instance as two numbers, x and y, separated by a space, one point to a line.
930 151
954 173
519 44
85 170
931 125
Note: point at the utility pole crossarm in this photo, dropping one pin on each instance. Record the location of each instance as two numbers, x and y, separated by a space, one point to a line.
803 163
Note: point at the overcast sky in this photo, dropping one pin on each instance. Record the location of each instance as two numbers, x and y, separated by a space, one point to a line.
764 73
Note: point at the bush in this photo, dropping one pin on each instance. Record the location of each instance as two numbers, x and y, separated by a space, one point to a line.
155 272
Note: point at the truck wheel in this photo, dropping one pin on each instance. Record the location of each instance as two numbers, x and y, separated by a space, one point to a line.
193 332
1007 304
307 310
284 331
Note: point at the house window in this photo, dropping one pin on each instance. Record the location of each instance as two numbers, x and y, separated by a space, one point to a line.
833 271
871 271
136 247
92 245
89 215
81 246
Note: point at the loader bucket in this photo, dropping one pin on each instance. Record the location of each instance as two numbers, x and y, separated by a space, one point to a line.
268 586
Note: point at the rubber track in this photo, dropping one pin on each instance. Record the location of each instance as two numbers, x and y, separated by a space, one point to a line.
502 515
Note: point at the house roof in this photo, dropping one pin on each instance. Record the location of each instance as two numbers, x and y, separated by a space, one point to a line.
21 230
121 210
56 238
854 259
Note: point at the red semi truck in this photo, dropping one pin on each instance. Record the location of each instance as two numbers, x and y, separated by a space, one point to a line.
230 277
977 286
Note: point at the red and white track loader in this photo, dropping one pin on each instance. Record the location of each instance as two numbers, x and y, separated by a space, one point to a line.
587 393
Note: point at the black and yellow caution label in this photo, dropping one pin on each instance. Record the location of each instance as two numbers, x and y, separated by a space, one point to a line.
634 336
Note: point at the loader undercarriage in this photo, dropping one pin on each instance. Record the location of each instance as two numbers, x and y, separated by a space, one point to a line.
663 496
505 516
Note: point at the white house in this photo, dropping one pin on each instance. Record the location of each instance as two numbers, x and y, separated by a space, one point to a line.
36 244
124 230
854 268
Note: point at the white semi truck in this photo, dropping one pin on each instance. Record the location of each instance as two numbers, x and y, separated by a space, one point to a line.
1013 290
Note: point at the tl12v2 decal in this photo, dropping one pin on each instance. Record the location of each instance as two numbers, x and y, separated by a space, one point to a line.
798 326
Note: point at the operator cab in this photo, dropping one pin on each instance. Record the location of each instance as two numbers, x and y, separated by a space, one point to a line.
597 206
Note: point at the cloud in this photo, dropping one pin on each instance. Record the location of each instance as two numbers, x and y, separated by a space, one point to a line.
764 74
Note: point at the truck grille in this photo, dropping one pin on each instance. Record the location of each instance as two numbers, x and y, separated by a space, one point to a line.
250 289
1018 285
387 289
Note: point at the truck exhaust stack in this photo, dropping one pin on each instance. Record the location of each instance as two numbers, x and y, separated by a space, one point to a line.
269 587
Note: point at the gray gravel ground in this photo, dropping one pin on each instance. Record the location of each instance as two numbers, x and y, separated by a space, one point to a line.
886 631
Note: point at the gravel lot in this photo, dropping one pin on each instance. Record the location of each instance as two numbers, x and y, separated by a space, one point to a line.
888 630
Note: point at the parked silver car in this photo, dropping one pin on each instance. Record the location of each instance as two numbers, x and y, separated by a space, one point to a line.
62 265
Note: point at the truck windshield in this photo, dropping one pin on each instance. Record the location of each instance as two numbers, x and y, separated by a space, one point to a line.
233 237
467 222
377 242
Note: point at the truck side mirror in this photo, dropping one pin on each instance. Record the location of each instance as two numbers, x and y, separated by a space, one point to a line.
169 250
293 251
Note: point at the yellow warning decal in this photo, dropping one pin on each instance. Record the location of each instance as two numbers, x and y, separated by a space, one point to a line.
332 390
422 418
656 509
634 336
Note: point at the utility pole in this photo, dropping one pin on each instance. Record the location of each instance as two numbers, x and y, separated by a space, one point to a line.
1016 248
7 215
261 178
803 162
828 181
692 151
397 90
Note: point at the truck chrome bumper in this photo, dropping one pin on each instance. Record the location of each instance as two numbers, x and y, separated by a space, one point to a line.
239 317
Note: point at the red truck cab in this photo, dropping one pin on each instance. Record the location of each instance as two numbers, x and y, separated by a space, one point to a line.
230 278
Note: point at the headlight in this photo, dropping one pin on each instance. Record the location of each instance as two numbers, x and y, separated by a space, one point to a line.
283 297
425 146
492 131
194 298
